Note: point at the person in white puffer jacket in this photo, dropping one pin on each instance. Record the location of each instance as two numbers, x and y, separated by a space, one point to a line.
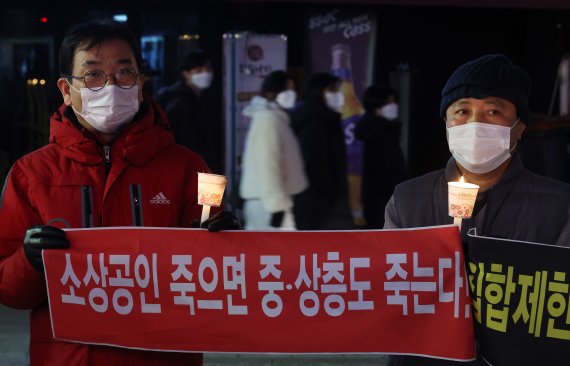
272 170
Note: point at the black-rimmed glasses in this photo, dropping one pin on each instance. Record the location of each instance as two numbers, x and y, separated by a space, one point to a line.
97 79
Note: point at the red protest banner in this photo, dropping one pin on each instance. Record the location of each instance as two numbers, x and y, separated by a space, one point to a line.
396 291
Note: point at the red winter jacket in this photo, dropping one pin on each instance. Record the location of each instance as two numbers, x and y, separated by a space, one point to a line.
74 182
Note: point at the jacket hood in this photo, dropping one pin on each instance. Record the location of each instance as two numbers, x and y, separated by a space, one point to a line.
137 143
257 104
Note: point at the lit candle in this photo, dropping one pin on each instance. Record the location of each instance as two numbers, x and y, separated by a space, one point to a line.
461 200
210 192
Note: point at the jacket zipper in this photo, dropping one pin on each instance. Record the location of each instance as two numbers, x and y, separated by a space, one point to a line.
136 207
107 156
87 205
107 159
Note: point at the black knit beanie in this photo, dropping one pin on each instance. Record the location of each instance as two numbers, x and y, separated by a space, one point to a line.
489 76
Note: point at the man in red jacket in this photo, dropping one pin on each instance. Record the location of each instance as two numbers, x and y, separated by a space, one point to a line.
110 152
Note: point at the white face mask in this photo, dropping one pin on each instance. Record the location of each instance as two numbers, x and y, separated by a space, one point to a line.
109 108
286 99
389 111
202 80
335 101
480 147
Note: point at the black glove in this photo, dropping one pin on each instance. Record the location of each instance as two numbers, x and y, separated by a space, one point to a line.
223 220
277 218
42 237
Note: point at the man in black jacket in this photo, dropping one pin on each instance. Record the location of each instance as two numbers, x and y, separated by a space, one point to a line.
192 109
383 162
485 108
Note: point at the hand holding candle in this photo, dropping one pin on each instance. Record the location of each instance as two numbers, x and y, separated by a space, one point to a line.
461 200
210 192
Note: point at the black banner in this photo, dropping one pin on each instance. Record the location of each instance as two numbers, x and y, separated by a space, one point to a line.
520 301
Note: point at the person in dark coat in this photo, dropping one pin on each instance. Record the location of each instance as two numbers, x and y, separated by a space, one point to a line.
485 107
383 161
192 109
317 124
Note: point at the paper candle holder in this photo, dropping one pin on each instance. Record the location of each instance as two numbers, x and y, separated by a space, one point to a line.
461 199
210 192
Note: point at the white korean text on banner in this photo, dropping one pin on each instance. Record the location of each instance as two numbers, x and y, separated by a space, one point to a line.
264 292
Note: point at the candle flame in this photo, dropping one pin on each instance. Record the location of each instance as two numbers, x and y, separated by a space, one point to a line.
461 180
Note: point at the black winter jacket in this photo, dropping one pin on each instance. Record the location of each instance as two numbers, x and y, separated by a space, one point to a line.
383 165
319 130
195 120
521 206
